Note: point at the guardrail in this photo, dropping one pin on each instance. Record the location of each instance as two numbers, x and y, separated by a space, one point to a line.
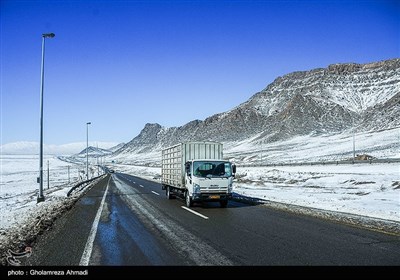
82 183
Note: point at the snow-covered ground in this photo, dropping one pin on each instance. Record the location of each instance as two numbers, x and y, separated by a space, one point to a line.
306 148
19 188
21 217
371 190
309 148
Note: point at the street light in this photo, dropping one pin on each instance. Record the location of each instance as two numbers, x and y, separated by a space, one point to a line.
87 148
40 197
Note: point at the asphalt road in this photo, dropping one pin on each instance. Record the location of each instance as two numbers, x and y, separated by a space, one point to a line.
126 220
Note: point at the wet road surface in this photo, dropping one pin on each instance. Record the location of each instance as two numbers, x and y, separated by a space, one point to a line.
126 220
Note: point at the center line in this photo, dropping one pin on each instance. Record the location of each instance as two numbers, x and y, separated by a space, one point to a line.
194 212
141 186
155 193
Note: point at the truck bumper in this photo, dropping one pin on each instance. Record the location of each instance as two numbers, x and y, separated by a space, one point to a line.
211 196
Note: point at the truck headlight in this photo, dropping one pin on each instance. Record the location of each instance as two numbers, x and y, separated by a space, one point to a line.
196 188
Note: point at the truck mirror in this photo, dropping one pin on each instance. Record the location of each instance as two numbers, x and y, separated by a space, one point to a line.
233 168
187 167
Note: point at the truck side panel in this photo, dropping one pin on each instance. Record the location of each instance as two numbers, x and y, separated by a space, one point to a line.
171 166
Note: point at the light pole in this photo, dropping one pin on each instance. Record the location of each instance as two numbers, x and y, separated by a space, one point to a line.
87 148
40 197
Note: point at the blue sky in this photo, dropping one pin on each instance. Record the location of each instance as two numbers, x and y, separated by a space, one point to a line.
122 64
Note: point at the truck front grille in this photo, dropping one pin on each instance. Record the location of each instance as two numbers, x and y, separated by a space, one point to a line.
214 189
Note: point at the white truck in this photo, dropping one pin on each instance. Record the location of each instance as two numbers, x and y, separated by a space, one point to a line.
197 172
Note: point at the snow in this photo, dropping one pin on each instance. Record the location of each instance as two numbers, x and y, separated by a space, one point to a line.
21 217
32 148
19 188
308 148
371 190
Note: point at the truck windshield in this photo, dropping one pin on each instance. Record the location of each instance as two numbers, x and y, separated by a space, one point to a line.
209 169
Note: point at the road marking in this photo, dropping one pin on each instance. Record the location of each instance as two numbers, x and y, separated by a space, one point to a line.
87 252
155 192
141 186
194 212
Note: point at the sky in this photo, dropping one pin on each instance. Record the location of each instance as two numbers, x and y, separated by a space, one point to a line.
122 64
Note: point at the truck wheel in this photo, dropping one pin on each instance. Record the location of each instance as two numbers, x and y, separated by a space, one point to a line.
188 200
169 194
223 203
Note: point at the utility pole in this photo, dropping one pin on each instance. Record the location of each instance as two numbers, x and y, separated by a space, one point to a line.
87 150
97 160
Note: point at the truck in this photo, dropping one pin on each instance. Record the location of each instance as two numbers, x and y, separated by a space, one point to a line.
197 172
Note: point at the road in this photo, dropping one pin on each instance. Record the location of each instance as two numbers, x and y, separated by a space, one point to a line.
126 220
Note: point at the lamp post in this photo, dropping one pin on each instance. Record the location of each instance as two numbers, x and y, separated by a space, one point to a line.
40 197
87 148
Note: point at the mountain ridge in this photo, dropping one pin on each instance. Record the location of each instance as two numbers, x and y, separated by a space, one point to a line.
338 98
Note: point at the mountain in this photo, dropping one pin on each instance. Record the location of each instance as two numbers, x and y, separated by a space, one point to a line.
116 148
32 148
324 101
94 152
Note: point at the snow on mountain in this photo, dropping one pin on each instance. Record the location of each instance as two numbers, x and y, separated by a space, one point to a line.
117 147
325 103
94 152
32 148
22 147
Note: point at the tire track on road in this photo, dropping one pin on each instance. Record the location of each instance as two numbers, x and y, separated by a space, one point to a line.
181 240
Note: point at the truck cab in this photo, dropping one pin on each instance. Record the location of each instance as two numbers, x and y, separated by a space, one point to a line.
209 180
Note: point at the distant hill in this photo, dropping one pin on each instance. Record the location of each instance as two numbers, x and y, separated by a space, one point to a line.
94 152
32 148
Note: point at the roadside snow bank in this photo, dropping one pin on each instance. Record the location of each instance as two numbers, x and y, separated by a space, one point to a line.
367 190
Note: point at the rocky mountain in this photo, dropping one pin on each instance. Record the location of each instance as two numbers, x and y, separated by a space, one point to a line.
94 152
341 97
116 147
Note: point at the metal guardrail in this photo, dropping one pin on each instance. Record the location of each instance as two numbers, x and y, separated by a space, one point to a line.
82 183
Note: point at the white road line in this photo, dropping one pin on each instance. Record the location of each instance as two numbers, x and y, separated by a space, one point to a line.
155 192
194 212
87 252
141 186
